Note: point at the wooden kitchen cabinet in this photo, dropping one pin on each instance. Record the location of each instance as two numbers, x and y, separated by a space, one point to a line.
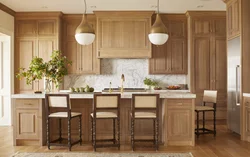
233 19
123 34
208 57
28 122
171 58
180 122
84 58
37 34
245 114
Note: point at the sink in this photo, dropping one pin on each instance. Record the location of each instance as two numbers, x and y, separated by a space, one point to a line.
125 90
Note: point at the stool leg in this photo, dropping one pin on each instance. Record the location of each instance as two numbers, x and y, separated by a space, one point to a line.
157 133
118 133
69 134
94 134
60 130
154 129
203 121
197 131
80 129
214 123
114 139
132 134
48 133
91 130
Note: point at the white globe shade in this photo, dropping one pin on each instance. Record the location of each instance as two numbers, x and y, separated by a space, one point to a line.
158 38
85 38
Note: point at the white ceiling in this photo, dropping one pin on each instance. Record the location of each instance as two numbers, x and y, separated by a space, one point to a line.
77 6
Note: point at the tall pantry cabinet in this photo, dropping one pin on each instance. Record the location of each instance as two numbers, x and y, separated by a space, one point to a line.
36 34
208 56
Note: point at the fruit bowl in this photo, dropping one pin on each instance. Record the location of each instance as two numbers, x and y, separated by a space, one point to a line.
157 88
173 87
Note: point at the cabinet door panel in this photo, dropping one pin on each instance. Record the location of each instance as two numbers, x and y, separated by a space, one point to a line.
26 28
177 28
247 121
220 63
179 124
220 27
26 51
45 49
202 64
202 27
27 124
46 27
178 56
161 60
230 20
236 17
72 53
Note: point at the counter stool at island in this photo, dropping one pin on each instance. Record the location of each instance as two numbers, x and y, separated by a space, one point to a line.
62 102
146 107
106 106
210 97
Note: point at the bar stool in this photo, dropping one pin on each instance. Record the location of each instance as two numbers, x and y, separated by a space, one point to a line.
210 97
102 103
62 102
145 106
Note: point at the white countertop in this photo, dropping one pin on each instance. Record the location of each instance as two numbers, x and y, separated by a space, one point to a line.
246 94
163 94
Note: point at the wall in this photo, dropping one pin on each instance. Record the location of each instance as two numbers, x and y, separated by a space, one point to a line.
135 70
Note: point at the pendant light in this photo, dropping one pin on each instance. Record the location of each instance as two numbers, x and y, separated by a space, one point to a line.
85 34
158 33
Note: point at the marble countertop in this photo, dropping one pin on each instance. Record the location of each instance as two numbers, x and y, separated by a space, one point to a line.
246 94
163 94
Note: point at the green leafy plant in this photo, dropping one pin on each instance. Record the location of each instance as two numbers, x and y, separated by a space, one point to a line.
54 70
149 82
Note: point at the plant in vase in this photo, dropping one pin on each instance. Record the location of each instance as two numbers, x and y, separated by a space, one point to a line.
149 83
52 71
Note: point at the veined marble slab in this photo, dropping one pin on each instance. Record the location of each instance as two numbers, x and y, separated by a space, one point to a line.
163 94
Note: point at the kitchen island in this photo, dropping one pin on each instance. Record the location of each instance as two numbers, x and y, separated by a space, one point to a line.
176 119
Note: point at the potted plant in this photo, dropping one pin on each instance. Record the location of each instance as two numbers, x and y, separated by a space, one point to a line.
52 71
149 83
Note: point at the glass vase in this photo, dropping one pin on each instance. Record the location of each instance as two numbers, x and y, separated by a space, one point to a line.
47 85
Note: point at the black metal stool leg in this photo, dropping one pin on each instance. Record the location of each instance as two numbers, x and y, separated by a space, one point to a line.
214 123
94 134
154 129
114 130
60 130
80 129
132 134
157 133
203 121
197 131
48 134
69 134
118 133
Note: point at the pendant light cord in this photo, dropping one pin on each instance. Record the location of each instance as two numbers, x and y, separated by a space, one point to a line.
85 4
158 6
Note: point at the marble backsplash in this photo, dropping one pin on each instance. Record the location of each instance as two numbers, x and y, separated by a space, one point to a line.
134 70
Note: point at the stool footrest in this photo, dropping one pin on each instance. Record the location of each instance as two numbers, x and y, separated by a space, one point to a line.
144 140
107 145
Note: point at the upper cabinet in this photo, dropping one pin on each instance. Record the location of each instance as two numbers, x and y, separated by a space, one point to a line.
123 34
233 19
84 57
171 58
36 34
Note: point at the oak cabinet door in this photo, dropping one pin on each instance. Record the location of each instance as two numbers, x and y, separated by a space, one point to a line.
27 124
25 51
248 121
46 28
230 32
233 19
220 26
123 38
202 46
26 28
179 124
202 27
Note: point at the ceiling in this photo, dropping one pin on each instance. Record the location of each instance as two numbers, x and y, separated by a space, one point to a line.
77 6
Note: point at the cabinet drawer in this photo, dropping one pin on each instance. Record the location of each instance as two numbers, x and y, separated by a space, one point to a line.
27 103
172 103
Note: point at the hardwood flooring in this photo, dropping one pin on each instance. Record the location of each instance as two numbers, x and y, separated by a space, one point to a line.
226 144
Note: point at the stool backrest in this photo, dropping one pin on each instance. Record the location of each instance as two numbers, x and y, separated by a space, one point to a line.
61 101
106 102
145 102
210 96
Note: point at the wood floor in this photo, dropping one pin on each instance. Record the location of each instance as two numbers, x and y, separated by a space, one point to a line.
226 144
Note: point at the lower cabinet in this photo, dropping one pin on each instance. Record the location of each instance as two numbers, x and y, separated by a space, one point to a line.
28 122
179 118
246 120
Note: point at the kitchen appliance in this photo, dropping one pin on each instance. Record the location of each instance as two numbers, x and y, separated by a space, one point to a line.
234 84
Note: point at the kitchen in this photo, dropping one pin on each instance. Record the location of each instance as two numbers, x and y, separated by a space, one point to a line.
194 57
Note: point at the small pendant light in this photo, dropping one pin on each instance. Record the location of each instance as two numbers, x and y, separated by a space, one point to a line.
85 34
158 33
